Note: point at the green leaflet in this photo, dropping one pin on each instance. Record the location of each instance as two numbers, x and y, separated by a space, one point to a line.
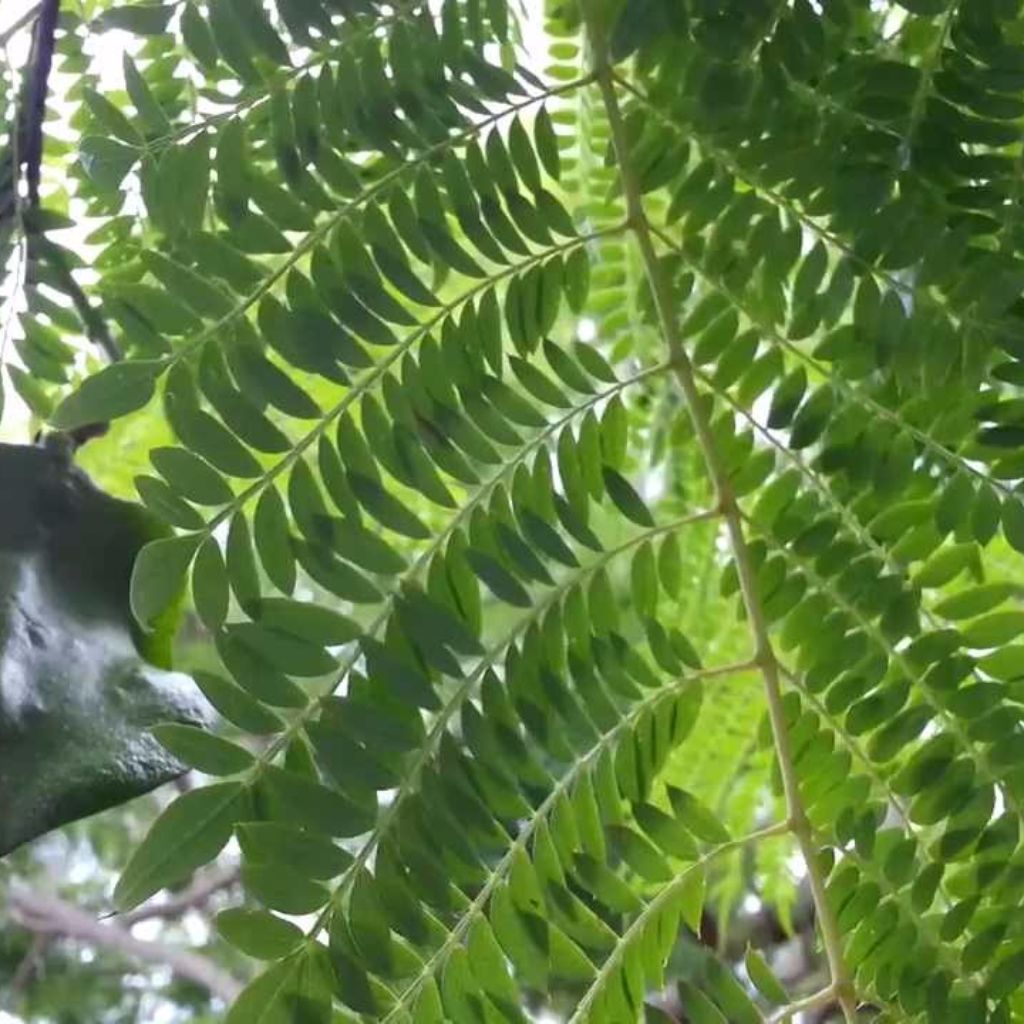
161 500
258 933
210 585
268 383
201 432
240 563
190 832
945 565
363 547
349 765
787 399
763 979
285 651
644 580
640 855
305 620
294 800
386 509
367 925
107 162
279 887
116 391
190 476
158 577
669 835
296 989
271 538
994 629
974 600
699 1008
258 676
626 499
202 750
333 574
498 580
1013 524
306 852
204 298
236 705
142 19
177 198
148 109
546 141
697 817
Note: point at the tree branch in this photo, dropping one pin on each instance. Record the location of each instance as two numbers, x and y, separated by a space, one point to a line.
197 894
50 915
33 108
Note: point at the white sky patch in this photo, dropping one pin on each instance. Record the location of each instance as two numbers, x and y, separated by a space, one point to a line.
654 483
586 329
998 804
796 866
148 930
17 49
196 927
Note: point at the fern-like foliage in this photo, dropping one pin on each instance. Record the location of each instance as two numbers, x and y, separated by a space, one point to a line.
445 548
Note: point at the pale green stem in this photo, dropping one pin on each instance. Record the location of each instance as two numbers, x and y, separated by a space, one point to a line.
811 1002
798 822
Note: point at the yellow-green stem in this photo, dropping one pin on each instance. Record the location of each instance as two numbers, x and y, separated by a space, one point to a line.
798 821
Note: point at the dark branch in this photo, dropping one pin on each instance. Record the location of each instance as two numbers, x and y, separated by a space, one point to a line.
28 159
33 108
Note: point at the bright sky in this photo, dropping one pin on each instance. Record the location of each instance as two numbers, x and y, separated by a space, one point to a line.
13 10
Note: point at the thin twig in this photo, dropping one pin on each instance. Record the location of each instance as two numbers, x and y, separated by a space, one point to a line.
26 19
